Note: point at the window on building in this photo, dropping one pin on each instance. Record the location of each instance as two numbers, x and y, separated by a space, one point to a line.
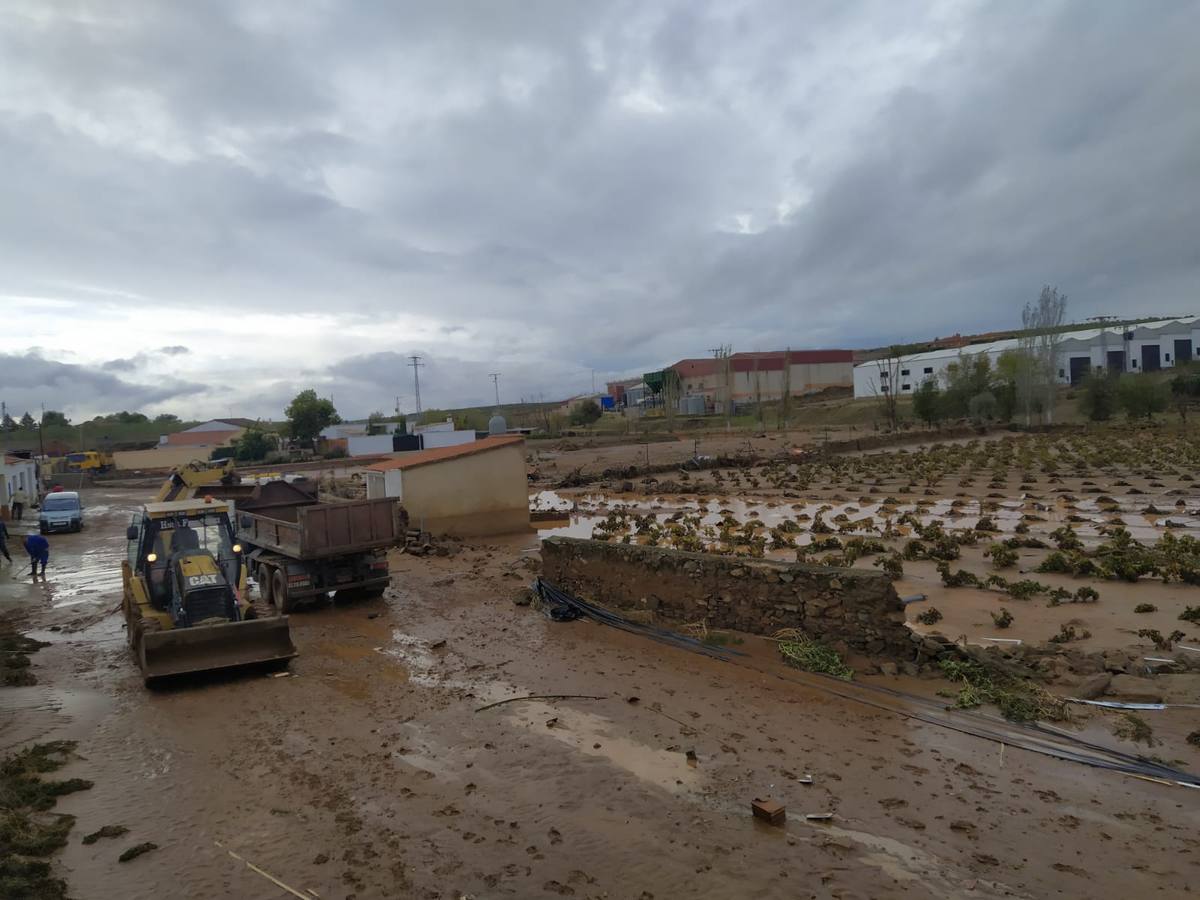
883 389
905 387
1167 357
904 371
929 370
1133 363
1062 373
883 374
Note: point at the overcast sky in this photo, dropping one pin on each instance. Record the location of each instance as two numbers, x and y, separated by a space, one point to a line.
208 206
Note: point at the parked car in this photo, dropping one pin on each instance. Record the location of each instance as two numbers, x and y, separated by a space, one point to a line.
61 511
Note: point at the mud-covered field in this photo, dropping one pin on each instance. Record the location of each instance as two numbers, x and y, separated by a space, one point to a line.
368 771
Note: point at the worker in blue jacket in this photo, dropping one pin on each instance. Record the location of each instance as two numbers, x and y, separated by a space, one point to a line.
38 549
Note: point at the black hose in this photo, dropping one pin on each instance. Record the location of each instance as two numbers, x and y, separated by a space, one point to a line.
1035 738
562 607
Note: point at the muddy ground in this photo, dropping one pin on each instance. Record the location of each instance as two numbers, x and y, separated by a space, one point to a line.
368 772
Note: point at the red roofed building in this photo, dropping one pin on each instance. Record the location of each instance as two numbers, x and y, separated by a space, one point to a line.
764 375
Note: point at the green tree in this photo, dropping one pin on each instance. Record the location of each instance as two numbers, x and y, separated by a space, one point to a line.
253 444
7 423
585 413
1098 400
129 418
967 377
375 423
54 417
1185 392
927 402
307 414
167 420
27 420
982 407
1142 395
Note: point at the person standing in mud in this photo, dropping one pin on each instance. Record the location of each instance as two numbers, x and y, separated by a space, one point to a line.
38 549
19 499
4 542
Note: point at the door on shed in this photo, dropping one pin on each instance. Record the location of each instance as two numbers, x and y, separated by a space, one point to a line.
1079 368
1183 351
1151 359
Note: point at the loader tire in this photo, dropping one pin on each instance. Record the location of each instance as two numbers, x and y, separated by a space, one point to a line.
279 590
263 576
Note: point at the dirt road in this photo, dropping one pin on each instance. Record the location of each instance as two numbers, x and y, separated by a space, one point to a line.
368 773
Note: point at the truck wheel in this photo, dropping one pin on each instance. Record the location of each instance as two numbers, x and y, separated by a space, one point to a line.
280 590
262 575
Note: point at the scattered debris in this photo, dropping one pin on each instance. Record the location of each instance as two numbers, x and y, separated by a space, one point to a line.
541 697
803 652
108 831
15 670
818 817
771 811
265 874
137 850
25 836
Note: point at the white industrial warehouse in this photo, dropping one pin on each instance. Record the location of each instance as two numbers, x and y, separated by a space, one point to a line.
1135 348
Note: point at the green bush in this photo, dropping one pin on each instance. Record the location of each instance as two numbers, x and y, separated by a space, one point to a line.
1142 396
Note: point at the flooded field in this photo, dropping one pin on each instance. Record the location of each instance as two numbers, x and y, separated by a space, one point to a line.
375 769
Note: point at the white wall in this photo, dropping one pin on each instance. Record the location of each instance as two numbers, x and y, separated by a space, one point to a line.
368 445
434 439
20 474
1092 344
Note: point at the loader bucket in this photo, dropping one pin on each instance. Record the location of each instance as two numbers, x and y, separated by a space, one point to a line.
204 648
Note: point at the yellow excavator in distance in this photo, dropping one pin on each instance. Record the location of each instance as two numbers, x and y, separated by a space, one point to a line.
183 481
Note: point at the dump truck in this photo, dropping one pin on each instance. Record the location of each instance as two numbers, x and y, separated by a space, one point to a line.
185 598
300 548
89 461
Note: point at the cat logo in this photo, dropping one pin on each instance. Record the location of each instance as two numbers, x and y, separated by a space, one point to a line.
201 580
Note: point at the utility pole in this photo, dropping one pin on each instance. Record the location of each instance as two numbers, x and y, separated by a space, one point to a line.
416 365
495 376
723 356
41 442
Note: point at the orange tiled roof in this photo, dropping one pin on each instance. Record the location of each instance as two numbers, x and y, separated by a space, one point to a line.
440 454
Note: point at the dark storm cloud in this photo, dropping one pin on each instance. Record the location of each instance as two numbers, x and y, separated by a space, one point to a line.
622 183
30 380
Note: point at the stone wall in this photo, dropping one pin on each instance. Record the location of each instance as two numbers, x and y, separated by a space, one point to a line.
857 607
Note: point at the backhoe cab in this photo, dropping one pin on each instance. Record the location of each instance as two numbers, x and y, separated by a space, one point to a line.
185 597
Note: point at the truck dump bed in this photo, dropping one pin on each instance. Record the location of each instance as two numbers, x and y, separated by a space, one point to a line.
296 524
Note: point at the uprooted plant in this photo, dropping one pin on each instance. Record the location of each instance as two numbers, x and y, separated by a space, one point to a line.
1017 699
28 831
804 652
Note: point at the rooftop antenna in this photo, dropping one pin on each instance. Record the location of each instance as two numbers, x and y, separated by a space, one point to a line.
415 362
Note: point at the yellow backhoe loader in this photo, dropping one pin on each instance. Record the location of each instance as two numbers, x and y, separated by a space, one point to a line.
185 599
183 481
